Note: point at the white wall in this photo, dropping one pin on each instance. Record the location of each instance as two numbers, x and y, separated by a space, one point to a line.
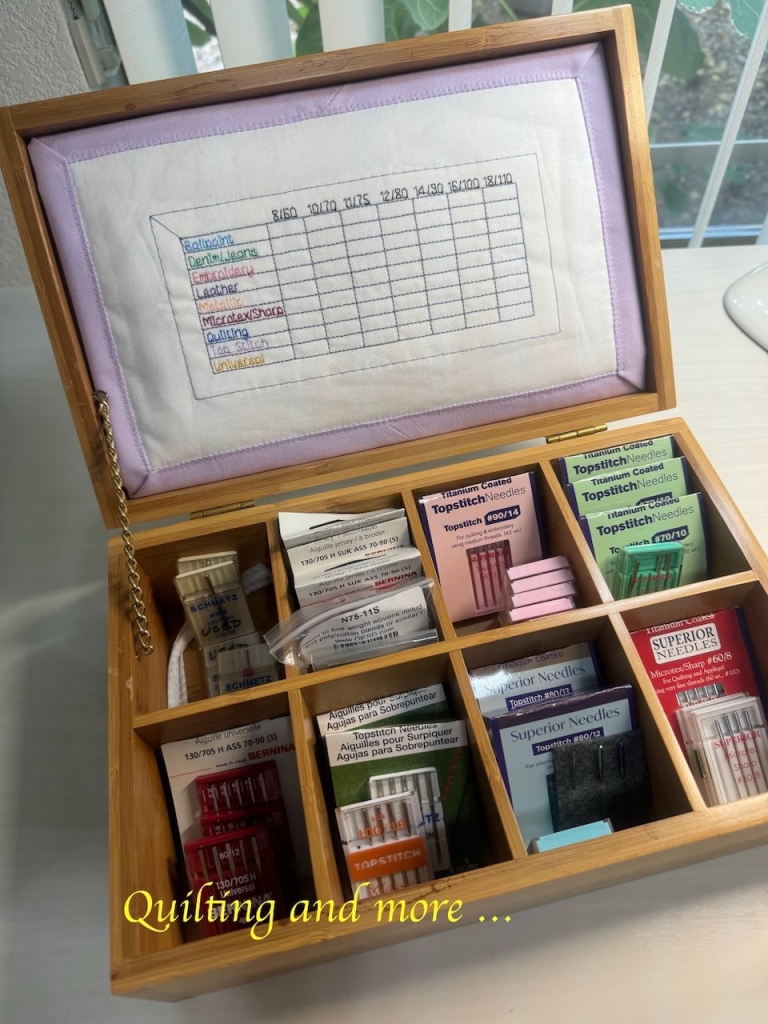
38 62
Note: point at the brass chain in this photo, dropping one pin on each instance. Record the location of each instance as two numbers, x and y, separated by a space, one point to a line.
141 636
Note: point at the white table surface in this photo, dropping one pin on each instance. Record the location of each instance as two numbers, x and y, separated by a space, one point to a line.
689 945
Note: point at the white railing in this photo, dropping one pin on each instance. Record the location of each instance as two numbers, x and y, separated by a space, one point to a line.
153 41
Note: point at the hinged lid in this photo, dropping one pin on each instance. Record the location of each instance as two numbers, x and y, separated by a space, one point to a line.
476 258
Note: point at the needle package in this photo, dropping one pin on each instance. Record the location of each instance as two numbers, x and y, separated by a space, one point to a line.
524 741
476 533
377 572
633 485
725 740
647 568
193 563
349 541
243 772
695 660
243 667
515 685
425 785
298 528
331 554
272 814
384 843
655 522
608 460
425 705
214 602
238 789
431 760
213 652
354 626
239 870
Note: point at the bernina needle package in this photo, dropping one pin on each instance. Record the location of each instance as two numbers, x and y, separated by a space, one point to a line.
331 555
348 541
299 528
378 573
475 534
524 741
257 746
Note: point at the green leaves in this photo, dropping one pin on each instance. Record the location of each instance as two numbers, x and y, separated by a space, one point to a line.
197 36
199 20
745 15
398 22
428 14
310 37
684 56
296 12
697 6
669 192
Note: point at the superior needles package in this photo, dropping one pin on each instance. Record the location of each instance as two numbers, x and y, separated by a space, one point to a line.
524 742
515 685
696 660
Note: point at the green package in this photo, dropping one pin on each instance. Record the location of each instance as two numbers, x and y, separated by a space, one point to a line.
425 705
633 485
624 456
655 522
356 757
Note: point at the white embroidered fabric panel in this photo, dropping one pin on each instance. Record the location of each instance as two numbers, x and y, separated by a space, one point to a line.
421 255
379 264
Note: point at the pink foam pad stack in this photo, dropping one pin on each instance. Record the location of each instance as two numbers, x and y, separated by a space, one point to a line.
539 588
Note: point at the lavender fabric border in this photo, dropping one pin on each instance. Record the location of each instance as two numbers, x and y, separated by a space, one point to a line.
52 156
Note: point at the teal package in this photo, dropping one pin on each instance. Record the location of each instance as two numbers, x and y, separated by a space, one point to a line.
632 485
655 522
579 834
607 460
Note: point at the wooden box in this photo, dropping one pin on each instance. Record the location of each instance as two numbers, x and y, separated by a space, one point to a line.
241 514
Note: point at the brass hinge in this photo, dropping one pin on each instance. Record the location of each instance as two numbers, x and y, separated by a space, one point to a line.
569 435
218 510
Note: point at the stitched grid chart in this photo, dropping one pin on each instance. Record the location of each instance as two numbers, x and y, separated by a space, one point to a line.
369 276
376 264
